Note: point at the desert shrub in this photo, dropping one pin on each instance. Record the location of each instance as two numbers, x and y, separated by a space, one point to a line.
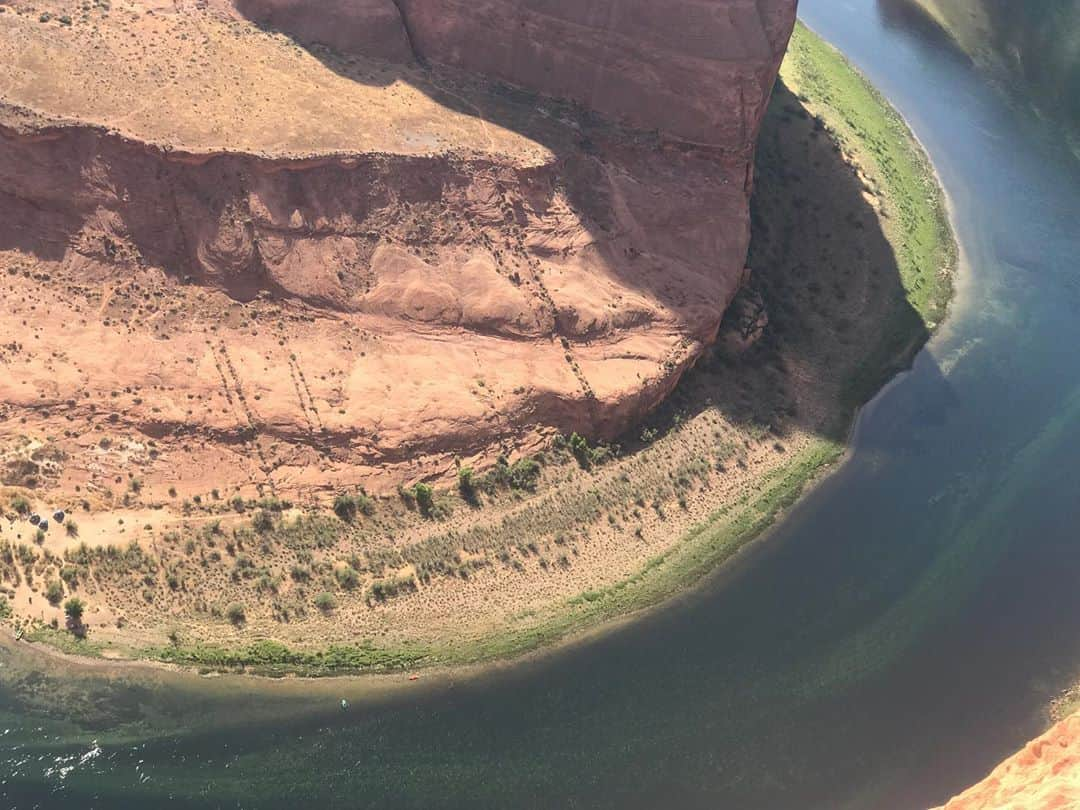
425 498
524 473
347 577
20 505
579 446
384 589
72 528
466 484
263 521
347 506
235 613
54 592
325 602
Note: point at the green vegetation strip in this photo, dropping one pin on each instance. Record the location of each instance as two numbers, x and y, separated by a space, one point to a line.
868 129
700 552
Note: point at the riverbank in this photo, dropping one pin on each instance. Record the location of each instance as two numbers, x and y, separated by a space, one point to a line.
852 257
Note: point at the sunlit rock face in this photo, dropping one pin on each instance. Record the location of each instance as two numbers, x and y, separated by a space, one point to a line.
1044 775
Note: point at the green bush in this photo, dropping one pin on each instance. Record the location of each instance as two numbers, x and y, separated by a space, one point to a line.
74 608
425 498
466 484
347 577
263 521
235 613
348 506
54 592
20 505
325 602
345 508
579 446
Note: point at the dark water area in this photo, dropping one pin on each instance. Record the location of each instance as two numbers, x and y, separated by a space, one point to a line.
1035 44
896 636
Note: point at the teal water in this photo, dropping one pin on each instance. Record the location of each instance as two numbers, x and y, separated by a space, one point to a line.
894 638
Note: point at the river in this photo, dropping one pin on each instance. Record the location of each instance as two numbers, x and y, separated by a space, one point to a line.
896 636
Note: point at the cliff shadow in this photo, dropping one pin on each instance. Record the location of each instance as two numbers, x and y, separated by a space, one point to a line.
824 321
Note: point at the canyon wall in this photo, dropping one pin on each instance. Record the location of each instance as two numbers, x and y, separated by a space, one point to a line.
697 70
313 268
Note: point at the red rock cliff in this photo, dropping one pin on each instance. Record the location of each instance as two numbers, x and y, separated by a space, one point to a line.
1044 775
697 70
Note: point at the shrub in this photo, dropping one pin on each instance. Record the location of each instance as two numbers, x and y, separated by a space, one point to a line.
466 484
235 614
72 528
74 609
579 446
523 474
20 505
425 498
54 592
325 602
347 577
262 522
345 507
39 537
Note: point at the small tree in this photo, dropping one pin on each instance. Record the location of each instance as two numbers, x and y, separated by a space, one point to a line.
74 609
425 498
467 484
579 446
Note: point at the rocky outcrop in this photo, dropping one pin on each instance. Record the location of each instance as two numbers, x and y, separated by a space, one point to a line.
698 70
358 260
1045 775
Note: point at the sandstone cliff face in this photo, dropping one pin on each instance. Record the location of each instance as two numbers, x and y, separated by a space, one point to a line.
1045 775
698 70
340 270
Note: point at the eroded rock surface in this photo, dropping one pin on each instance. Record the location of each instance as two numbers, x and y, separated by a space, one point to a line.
700 70
297 268
1045 775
